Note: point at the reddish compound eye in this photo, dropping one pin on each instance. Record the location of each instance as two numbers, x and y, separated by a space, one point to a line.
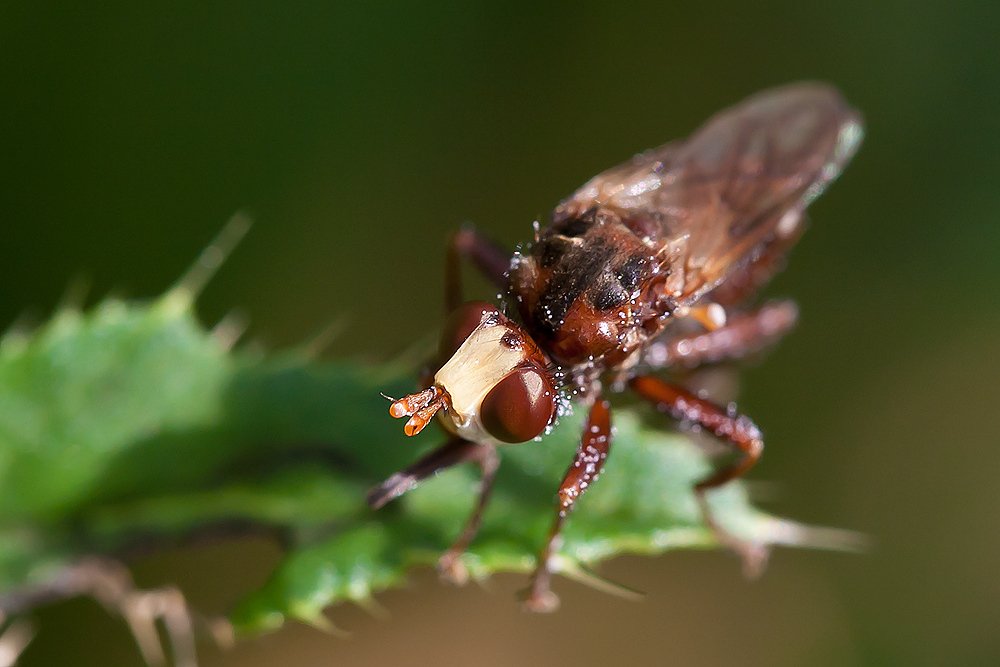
520 406
460 324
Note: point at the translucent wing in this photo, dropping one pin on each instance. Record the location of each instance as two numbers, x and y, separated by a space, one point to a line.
743 179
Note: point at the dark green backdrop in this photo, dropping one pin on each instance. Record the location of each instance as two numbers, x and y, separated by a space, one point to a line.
360 135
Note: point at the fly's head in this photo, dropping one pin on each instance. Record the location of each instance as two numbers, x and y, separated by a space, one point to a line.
494 384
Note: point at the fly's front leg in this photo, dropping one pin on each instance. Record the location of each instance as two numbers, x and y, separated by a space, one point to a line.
734 429
595 443
741 335
453 452
484 253
450 564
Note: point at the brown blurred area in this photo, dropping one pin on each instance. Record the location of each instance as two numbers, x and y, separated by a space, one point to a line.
359 136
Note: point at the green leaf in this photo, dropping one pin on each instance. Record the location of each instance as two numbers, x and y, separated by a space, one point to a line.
133 422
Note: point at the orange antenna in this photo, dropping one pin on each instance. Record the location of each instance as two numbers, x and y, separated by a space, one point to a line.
420 408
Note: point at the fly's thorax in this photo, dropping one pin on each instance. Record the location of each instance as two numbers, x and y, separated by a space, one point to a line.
583 291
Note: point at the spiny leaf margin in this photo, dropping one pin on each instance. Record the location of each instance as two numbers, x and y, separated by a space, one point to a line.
133 421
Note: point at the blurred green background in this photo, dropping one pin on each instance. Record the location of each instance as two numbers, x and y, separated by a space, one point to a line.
359 135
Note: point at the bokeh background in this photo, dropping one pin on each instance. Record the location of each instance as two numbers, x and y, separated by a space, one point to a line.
359 134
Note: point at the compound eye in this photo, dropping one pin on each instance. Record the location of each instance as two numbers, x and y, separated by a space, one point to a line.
460 324
520 406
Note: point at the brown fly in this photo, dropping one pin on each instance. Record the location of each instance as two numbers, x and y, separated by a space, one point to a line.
647 267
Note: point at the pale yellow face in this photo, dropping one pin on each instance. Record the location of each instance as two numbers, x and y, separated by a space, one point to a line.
483 360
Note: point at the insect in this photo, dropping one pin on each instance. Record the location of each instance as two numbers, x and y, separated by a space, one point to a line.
648 267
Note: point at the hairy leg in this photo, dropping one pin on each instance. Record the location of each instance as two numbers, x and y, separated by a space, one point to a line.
741 335
732 428
484 253
595 444
453 452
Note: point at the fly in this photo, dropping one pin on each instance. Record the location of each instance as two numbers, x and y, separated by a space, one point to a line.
648 267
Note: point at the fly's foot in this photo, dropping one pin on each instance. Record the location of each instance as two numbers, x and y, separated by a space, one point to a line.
542 601
452 569
539 598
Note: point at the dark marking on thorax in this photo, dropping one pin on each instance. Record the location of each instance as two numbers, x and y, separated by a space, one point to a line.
577 266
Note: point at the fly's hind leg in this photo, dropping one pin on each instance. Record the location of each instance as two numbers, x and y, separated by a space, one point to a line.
742 334
595 443
453 452
732 428
484 253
